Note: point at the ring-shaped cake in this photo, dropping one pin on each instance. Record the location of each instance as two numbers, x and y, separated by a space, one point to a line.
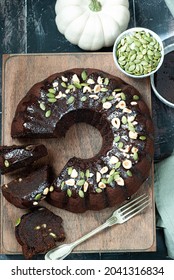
112 106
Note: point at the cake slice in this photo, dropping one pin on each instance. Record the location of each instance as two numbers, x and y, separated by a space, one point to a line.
38 231
15 157
26 192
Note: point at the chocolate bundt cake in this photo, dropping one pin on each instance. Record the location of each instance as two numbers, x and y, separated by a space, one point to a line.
117 110
15 157
38 231
26 192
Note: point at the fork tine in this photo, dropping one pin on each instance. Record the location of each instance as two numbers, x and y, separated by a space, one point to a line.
138 210
131 202
135 202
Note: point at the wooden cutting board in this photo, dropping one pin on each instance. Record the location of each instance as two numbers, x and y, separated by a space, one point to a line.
20 72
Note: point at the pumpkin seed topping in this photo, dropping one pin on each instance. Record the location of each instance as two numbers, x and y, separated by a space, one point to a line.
81 194
38 196
117 139
98 190
136 97
69 192
18 222
48 114
52 100
50 95
142 137
63 84
80 182
62 185
70 100
135 156
117 165
70 170
129 173
87 174
84 75
42 106
83 98
52 90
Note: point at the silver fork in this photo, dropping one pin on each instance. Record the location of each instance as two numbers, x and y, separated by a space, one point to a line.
121 215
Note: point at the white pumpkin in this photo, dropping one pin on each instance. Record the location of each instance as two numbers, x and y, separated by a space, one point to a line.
92 24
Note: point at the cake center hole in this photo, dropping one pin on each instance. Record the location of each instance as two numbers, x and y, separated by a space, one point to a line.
83 141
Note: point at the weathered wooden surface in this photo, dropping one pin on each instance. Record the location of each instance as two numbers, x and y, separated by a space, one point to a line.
20 73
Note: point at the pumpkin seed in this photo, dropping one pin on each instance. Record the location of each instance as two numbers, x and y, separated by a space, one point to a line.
98 190
110 179
48 114
129 173
103 89
70 169
135 156
106 81
62 185
81 194
52 100
132 50
80 182
87 174
83 98
38 196
70 100
84 75
120 145
82 174
52 90
117 89
77 85
117 165
18 222
69 192
71 87
50 95
131 127
136 97
42 106
123 96
142 137
63 84
117 139
124 120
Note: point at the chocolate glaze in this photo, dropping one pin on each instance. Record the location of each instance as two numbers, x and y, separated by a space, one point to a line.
27 191
30 121
20 156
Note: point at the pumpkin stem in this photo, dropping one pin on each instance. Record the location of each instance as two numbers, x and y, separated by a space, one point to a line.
95 6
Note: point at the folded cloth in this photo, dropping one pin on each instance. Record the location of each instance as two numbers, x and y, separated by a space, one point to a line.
164 198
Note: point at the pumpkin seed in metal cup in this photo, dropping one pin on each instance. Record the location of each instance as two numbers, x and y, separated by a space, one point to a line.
138 52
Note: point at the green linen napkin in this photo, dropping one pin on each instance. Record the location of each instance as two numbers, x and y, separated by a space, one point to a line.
164 198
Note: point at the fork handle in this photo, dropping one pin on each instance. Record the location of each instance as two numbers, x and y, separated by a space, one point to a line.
64 250
90 234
